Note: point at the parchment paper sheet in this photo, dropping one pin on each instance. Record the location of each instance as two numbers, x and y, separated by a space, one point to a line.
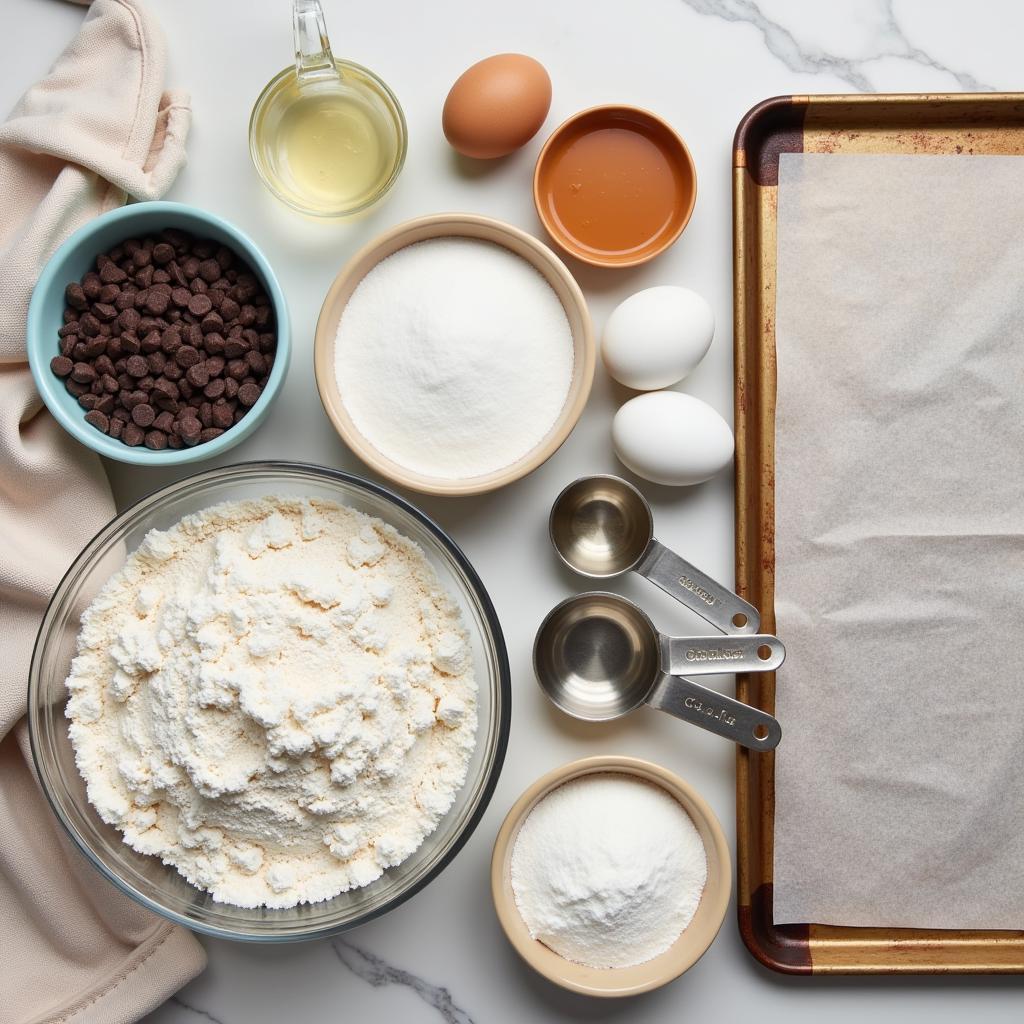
900 541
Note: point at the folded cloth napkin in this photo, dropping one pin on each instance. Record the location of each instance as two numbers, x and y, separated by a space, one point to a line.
97 129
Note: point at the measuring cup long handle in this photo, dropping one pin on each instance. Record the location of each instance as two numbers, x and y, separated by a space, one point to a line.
698 591
711 655
710 710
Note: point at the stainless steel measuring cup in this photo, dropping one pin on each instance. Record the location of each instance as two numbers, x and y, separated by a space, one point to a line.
598 656
602 526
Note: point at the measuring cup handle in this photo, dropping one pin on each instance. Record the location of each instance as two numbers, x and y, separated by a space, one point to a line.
314 61
714 712
698 591
711 655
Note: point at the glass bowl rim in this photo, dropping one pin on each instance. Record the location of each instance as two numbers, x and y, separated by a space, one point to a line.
503 681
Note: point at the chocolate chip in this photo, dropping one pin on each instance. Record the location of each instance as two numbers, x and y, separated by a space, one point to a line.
151 343
156 440
136 366
157 301
187 356
188 428
209 271
162 253
257 363
214 343
129 319
198 376
91 286
116 426
61 366
133 435
111 273
164 422
215 389
89 325
74 295
98 420
222 415
83 373
199 305
212 322
95 347
248 395
181 297
143 414
209 434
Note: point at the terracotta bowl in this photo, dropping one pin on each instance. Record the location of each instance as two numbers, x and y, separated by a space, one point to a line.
625 234
446 225
616 981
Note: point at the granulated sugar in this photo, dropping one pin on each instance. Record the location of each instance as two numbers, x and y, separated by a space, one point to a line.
608 870
276 697
454 357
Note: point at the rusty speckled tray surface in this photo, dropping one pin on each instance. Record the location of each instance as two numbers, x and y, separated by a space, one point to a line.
959 124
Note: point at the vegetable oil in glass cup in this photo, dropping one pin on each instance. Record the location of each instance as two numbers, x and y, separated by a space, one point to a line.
327 136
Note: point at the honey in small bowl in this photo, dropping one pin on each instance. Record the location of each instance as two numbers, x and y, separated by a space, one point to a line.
615 186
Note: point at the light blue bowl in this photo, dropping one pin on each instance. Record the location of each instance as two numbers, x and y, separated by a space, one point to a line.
70 263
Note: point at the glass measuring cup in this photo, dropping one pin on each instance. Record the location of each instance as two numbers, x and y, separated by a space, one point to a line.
598 657
327 136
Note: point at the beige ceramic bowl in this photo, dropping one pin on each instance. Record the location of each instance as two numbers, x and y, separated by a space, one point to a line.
616 981
445 225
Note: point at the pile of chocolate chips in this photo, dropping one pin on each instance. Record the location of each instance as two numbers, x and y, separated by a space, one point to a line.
168 342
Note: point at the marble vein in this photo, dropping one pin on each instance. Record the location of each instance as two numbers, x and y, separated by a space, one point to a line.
194 1010
378 973
784 45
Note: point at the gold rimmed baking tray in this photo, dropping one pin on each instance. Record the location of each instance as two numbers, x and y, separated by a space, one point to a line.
936 123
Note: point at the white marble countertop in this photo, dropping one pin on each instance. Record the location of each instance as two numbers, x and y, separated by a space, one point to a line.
701 64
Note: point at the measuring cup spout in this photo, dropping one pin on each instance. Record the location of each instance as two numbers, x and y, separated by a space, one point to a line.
314 62
714 712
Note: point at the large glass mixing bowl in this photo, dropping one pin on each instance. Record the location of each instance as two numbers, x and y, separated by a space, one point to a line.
159 886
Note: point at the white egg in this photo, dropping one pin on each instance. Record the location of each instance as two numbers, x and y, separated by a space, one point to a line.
656 337
671 438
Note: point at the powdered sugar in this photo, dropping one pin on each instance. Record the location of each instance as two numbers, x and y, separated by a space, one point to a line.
608 870
276 697
454 357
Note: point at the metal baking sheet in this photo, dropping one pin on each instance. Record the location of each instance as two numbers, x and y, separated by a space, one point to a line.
954 124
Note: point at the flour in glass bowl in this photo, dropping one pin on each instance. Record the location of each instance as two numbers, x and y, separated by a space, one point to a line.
276 697
454 357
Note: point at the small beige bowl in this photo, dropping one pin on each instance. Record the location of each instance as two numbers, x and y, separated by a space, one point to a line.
466 225
616 981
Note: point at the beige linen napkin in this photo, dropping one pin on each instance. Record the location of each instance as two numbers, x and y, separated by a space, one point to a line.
97 129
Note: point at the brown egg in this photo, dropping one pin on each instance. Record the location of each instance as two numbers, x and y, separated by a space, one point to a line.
496 106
